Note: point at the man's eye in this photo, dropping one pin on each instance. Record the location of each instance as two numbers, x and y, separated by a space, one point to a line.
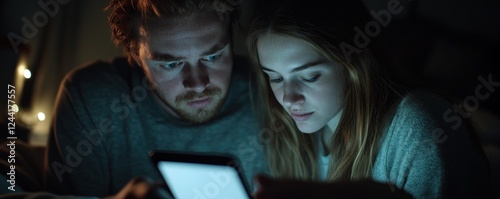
212 57
311 79
171 65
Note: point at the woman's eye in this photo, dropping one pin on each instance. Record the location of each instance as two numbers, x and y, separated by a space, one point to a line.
311 79
212 57
275 80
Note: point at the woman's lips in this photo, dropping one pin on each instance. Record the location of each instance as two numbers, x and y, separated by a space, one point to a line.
301 116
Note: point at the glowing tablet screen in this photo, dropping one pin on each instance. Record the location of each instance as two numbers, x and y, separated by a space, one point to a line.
202 181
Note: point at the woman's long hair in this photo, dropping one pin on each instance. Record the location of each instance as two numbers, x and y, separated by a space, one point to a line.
369 96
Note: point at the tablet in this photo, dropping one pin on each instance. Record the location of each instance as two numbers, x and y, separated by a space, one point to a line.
201 175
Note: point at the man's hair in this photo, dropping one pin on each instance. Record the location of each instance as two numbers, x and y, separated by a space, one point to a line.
128 15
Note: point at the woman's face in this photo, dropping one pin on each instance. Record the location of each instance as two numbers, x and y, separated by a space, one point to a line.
305 83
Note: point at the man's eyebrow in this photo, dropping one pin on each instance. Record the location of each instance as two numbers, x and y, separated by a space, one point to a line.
299 68
168 57
216 48
165 57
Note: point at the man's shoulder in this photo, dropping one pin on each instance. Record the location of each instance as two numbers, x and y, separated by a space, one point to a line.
99 79
99 70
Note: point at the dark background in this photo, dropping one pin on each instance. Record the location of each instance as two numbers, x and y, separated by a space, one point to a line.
438 44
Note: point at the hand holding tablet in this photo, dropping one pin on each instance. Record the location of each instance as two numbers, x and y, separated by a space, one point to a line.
201 176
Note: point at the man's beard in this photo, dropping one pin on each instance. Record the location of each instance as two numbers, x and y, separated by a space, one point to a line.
196 115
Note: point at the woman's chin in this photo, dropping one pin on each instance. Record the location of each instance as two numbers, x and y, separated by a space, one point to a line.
308 129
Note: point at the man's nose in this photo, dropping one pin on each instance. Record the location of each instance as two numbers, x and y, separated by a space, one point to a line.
292 95
196 77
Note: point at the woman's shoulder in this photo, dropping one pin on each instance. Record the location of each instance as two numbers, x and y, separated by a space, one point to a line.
421 114
430 122
422 102
425 107
427 149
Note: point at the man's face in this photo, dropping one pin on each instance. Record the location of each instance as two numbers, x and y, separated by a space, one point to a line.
189 62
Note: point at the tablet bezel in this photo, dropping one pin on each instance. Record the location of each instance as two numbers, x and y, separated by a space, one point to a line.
220 159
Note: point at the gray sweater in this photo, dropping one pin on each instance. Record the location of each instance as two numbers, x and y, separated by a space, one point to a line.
107 121
428 155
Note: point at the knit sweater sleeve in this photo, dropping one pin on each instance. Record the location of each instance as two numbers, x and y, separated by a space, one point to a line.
77 162
426 156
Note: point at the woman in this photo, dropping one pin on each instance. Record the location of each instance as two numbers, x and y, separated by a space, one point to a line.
338 125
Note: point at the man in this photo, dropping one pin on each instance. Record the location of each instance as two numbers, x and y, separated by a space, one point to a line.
180 89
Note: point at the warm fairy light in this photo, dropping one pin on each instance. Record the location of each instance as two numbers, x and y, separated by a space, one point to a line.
15 108
27 73
41 116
